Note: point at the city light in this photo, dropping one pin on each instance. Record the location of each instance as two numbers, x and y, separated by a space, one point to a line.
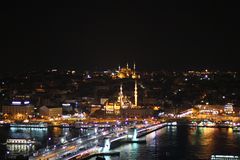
16 103
136 80
26 102
66 104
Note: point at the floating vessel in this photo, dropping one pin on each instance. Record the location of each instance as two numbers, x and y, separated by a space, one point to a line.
20 141
82 125
206 123
29 125
193 124
65 125
236 129
223 157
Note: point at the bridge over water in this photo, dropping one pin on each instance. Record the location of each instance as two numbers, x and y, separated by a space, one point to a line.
98 142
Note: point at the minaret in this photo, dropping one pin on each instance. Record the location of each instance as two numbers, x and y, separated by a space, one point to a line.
121 90
134 75
119 68
127 71
121 95
135 94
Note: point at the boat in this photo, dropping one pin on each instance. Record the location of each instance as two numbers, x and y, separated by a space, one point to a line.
236 129
82 125
30 125
20 141
222 157
172 124
206 123
193 124
65 125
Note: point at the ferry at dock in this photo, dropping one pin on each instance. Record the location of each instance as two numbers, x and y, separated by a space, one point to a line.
236 129
20 141
29 125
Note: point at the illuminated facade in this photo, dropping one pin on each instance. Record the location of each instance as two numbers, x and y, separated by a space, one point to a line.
52 111
228 108
126 72
112 108
18 110
122 102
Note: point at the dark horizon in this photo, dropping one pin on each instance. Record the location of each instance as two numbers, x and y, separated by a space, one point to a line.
165 35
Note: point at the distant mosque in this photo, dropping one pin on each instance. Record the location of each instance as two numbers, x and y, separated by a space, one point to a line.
126 72
122 102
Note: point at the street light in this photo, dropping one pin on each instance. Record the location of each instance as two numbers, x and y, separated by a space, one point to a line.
49 139
6 155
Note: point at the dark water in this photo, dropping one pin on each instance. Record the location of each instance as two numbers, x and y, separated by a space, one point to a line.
182 143
178 143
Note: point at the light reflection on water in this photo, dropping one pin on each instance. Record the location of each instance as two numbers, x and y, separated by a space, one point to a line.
182 142
37 133
23 149
167 143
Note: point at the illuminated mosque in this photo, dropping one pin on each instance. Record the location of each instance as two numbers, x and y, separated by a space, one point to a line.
123 106
126 72
122 102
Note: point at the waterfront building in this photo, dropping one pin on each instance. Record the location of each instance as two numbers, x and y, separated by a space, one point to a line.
228 108
123 102
114 107
51 111
18 110
125 108
210 109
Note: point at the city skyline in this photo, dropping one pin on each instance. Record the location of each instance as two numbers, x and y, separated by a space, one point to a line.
107 80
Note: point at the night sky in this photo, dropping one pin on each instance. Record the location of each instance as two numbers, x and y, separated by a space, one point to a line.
101 34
